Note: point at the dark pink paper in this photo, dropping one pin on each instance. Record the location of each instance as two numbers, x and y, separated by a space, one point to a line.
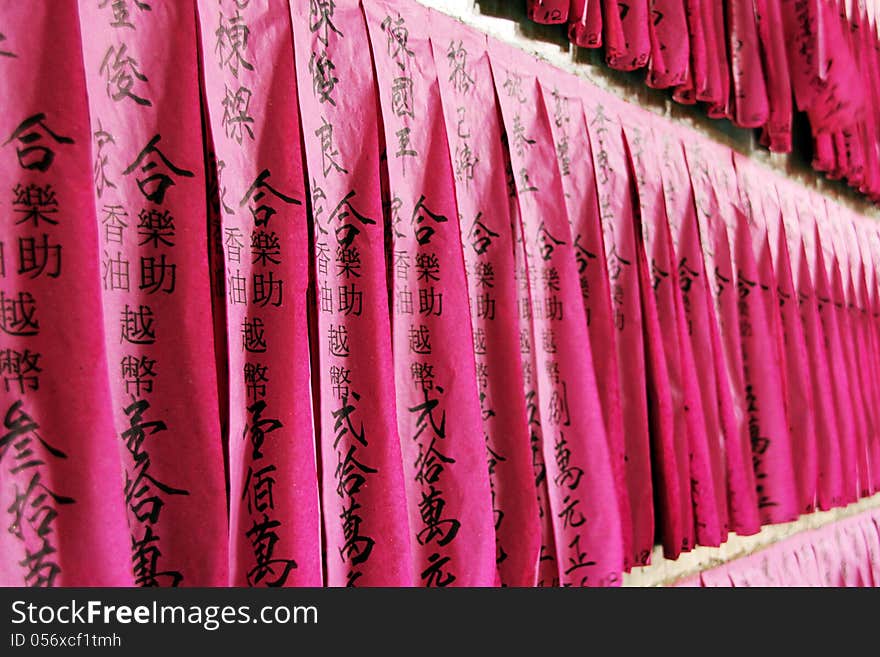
706 426
438 408
751 107
618 227
150 198
585 23
366 528
548 11
569 129
710 188
668 66
627 38
61 488
664 377
474 129
581 486
781 304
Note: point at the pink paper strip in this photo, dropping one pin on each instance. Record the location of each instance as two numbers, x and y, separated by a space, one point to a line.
777 130
61 492
668 66
585 23
812 288
586 519
751 107
150 199
485 223
665 380
627 37
618 226
569 129
743 497
438 410
829 293
366 528
549 12
781 304
707 425
274 536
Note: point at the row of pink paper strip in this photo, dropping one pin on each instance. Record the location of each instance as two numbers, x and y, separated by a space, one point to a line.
747 61
278 313
842 553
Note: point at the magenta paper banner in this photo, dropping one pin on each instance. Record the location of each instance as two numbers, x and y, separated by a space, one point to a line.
724 325
829 483
781 304
697 79
60 528
829 294
850 318
627 38
668 66
366 527
568 126
705 426
274 537
776 134
763 394
150 201
569 129
437 399
548 562
718 90
585 23
670 451
817 324
751 107
616 212
581 486
484 220
548 11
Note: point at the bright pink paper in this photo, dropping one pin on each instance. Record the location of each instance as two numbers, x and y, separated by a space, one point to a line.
548 564
705 427
801 24
474 130
834 351
549 12
868 245
627 38
585 23
150 201
777 130
581 486
61 490
438 409
751 107
666 390
828 483
274 536
618 227
366 528
781 304
833 313
569 129
696 79
718 93
850 321
765 397
668 66
723 320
